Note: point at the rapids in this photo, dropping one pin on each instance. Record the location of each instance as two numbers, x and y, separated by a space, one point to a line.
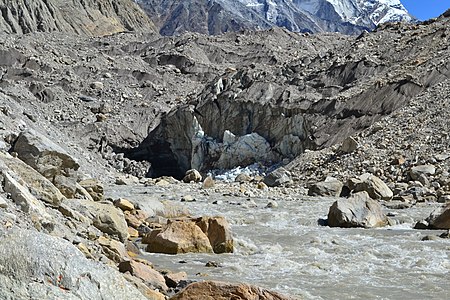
285 248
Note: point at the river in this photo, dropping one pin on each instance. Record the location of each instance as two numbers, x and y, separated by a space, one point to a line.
285 249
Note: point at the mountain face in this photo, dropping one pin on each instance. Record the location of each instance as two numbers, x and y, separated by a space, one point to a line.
88 17
217 16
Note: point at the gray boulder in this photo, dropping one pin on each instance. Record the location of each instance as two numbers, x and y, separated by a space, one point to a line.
278 177
330 187
374 186
424 170
39 266
357 211
43 155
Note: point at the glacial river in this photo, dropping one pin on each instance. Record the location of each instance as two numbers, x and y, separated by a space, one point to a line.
285 249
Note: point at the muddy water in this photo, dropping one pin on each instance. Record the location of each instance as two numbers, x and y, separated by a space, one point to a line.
285 249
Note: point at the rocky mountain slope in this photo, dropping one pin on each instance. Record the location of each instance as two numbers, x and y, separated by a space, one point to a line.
81 17
214 17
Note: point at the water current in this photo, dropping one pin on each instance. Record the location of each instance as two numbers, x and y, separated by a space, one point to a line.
285 249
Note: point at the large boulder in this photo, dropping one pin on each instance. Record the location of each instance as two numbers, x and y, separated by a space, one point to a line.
423 170
330 187
104 216
374 186
438 219
28 203
277 177
38 185
39 266
357 211
214 290
145 272
218 232
178 236
43 155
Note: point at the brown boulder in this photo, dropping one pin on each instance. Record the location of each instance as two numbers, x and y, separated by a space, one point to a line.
145 272
178 236
192 176
218 232
438 219
213 290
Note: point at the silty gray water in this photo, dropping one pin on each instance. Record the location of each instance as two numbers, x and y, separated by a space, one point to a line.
285 249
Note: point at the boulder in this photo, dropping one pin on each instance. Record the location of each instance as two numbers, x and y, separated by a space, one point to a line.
277 177
3 202
424 170
214 290
43 155
124 204
374 186
330 187
178 236
28 203
145 272
39 186
40 266
104 216
218 232
113 249
208 183
349 145
192 175
357 211
438 219
174 279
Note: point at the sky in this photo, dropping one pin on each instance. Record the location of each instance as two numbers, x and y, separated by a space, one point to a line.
426 9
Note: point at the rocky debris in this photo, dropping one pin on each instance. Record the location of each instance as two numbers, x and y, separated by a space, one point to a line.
43 266
224 291
374 187
93 187
192 175
3 203
438 219
174 279
277 177
113 249
357 211
145 272
101 17
218 232
330 187
124 204
181 236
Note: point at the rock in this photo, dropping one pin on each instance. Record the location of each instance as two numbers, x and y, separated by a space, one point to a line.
226 291
262 186
208 183
272 204
349 145
243 178
28 203
124 204
188 198
218 232
93 187
103 216
174 279
330 187
438 219
42 267
143 288
38 185
374 186
43 155
150 276
417 171
127 180
445 235
113 249
192 175
357 211
3 202
97 85
66 185
178 237
278 177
